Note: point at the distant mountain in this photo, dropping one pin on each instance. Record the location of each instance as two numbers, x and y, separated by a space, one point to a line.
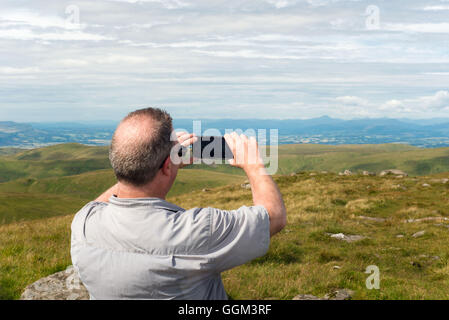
323 130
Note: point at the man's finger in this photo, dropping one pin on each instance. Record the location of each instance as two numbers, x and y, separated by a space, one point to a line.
185 137
189 141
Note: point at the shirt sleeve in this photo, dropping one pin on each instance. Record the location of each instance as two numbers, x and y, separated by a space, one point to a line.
238 236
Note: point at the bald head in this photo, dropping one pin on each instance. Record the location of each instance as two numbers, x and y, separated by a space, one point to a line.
140 145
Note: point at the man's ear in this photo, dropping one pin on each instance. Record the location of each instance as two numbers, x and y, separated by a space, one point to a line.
166 167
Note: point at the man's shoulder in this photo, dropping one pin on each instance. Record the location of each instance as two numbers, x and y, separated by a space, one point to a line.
85 212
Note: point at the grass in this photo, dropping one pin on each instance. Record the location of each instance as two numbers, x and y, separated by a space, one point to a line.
30 198
302 257
74 159
41 189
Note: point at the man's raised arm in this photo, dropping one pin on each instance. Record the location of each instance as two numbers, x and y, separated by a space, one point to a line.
264 189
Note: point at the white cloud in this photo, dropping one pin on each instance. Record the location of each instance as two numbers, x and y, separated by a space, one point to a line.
26 34
14 71
438 101
436 8
395 106
279 4
168 4
352 101
28 18
442 27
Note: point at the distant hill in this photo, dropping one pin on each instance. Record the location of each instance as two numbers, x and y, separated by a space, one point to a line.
323 130
74 159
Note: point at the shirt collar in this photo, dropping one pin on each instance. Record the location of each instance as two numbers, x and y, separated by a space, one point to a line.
142 202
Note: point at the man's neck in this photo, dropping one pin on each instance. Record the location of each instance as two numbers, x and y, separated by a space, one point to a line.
132 192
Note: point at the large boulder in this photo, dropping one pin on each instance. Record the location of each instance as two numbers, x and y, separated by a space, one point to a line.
64 285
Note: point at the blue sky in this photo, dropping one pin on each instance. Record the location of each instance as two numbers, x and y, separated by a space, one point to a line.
97 60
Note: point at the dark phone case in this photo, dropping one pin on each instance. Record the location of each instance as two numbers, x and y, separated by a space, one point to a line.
204 141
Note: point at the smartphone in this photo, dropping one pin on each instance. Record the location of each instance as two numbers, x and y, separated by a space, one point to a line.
211 147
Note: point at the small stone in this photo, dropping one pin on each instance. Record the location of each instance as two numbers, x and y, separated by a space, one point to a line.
292 174
419 234
347 238
205 190
393 172
436 258
427 219
372 219
444 181
312 174
246 186
340 236
306 297
426 185
336 267
400 236
367 173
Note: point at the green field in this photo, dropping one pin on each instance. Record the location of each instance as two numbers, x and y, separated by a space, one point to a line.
41 190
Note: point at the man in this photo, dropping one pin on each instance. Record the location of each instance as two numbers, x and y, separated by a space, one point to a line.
132 244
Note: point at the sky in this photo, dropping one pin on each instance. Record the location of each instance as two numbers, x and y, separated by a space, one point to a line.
98 60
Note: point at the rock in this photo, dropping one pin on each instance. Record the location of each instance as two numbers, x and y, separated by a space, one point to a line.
400 236
339 236
292 174
441 225
426 185
427 219
443 181
345 173
306 297
340 294
205 190
312 174
347 238
367 173
372 219
336 267
246 186
394 172
419 234
324 172
63 285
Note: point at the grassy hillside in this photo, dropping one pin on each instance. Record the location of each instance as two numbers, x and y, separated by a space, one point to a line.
30 198
302 259
55 161
9 151
73 159
415 161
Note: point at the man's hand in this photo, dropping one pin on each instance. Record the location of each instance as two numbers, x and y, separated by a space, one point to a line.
185 140
246 153
265 191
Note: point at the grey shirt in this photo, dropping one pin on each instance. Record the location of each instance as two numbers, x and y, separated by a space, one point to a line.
151 249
